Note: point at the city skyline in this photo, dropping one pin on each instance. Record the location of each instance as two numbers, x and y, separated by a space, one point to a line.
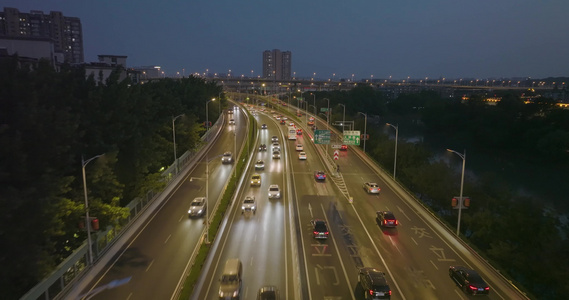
371 40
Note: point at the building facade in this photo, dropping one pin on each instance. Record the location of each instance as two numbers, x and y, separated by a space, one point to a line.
65 32
277 64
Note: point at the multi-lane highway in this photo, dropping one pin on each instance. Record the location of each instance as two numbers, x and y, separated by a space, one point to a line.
276 243
156 257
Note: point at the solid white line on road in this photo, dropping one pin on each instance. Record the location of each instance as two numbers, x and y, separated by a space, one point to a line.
414 241
459 295
338 252
166 241
401 211
129 295
148 268
181 218
434 264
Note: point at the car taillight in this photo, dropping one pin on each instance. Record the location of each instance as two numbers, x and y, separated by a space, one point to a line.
384 222
487 288
371 292
472 287
315 232
389 293
396 223
327 232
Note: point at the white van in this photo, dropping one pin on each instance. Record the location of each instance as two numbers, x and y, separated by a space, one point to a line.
230 282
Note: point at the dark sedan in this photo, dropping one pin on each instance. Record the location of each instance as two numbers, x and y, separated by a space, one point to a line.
319 175
468 280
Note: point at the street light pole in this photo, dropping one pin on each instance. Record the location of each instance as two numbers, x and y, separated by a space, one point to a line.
463 156
396 135
87 220
344 117
365 130
207 176
174 139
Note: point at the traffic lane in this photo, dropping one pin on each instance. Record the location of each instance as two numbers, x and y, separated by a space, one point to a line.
418 255
160 252
257 240
137 259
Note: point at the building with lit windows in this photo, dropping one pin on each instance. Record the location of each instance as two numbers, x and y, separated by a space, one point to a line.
277 64
66 33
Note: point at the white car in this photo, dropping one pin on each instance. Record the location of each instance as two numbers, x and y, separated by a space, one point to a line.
302 155
227 158
371 187
198 207
276 147
231 122
260 165
299 147
274 139
249 204
276 154
274 191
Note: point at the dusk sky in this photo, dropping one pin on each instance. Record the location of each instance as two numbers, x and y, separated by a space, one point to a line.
415 38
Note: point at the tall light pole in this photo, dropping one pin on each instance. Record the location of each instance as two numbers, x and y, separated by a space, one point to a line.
463 156
174 139
396 135
207 117
365 130
327 114
343 117
207 176
87 220
314 99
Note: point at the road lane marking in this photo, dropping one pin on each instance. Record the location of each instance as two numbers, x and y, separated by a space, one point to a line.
434 264
150 265
338 252
181 218
459 295
166 241
415 241
401 211
129 295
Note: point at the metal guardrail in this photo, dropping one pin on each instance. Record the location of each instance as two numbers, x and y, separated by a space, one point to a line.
75 265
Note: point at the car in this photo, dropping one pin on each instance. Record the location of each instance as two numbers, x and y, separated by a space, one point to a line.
468 280
284 117
227 158
268 293
311 119
299 147
299 114
310 123
291 124
275 138
283 122
319 175
249 204
386 219
319 229
259 165
277 117
276 147
274 191
230 111
264 126
276 154
302 155
374 284
344 148
314 128
256 180
371 187
262 147
231 122
198 207
299 131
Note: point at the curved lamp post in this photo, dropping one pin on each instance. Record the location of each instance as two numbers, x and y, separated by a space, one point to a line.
174 139
207 176
365 130
89 242
463 156
396 135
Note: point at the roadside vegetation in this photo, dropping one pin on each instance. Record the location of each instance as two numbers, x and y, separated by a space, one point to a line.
521 233
48 121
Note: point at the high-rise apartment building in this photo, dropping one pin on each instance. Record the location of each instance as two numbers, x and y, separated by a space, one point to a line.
277 64
65 32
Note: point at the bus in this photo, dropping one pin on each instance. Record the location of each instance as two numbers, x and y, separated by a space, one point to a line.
291 133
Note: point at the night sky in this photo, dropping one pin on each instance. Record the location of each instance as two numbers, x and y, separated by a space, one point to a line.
379 38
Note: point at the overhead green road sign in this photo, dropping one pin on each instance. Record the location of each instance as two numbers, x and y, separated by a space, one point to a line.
352 137
324 109
321 136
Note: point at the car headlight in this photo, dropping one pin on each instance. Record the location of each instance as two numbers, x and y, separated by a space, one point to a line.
242 207
236 293
200 211
253 207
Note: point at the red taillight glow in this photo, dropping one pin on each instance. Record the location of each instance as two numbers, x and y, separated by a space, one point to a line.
472 287
371 292
315 232
487 288
389 293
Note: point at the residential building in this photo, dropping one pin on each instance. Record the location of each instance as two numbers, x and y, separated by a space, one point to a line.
277 64
66 33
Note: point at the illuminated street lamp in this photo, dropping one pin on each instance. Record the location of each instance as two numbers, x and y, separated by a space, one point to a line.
174 139
365 129
395 160
344 117
87 220
463 156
